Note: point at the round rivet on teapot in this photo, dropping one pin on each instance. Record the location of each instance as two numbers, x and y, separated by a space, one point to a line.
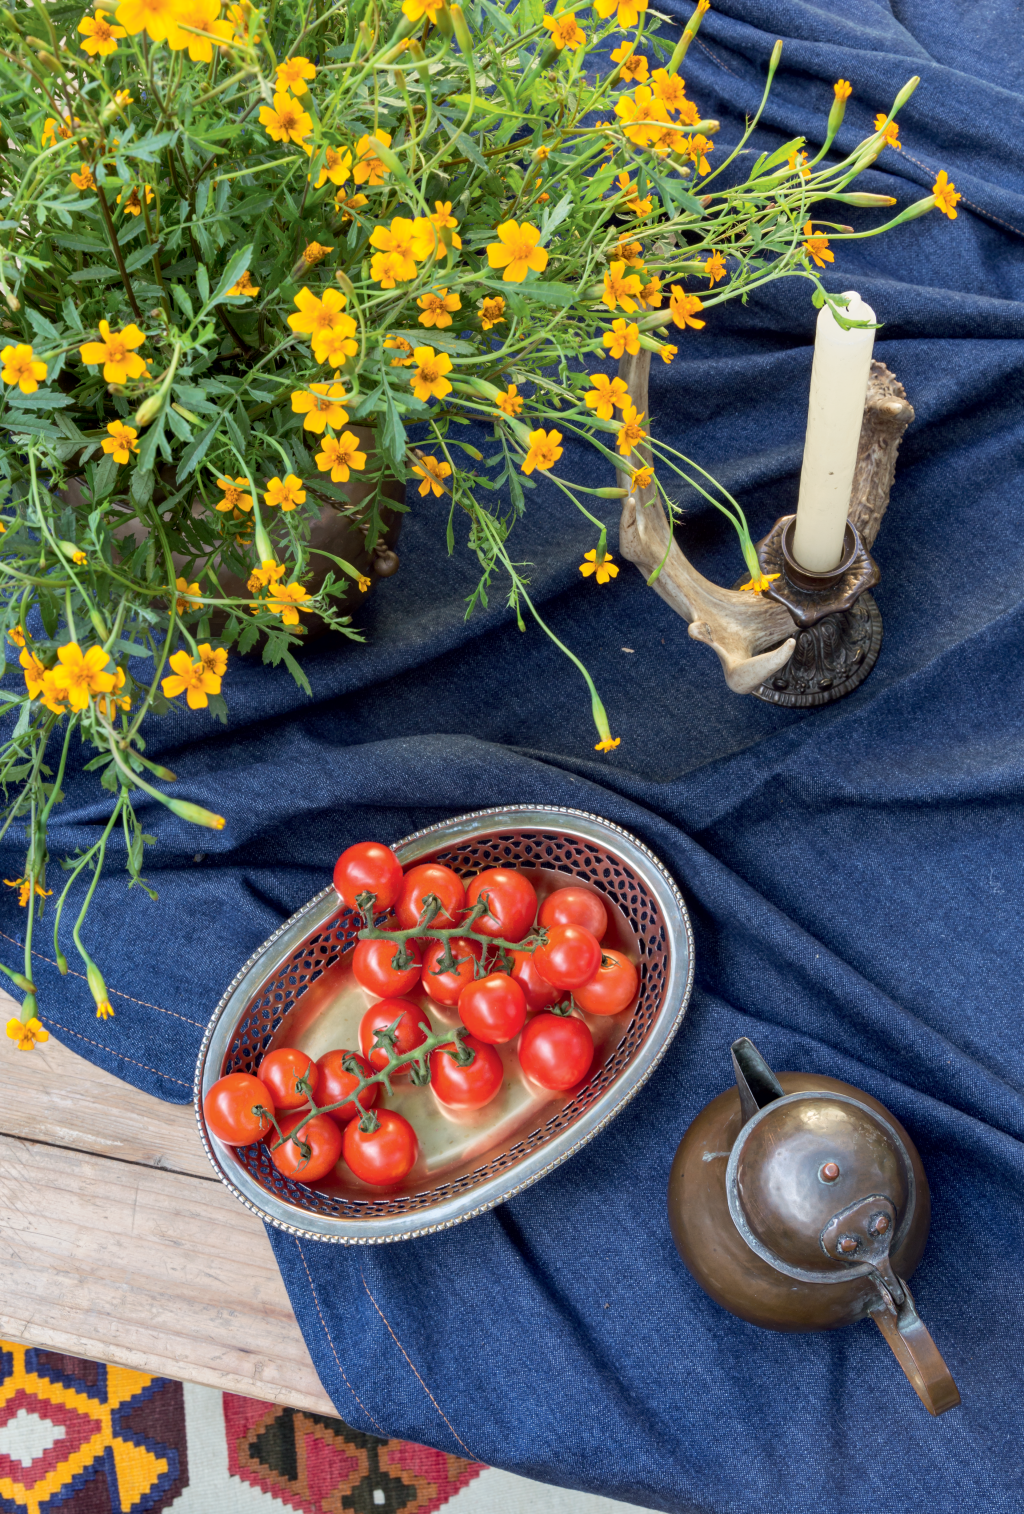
878 1224
847 1245
829 1172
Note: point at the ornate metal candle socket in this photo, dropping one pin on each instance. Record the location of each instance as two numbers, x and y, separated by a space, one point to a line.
810 638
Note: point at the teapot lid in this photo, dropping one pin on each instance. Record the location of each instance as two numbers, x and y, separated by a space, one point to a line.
819 1185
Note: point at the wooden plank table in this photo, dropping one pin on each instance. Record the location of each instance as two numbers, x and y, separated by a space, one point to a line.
118 1243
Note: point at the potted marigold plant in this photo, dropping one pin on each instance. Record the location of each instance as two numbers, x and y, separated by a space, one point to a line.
244 251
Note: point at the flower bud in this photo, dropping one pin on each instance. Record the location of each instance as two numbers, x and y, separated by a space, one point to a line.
12 300
611 493
915 211
196 814
474 453
863 199
98 989
461 29
689 32
20 981
149 409
905 94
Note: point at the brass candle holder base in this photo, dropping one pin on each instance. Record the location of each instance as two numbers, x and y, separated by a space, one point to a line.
839 625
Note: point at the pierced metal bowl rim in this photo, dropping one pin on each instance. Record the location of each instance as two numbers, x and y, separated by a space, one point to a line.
553 1152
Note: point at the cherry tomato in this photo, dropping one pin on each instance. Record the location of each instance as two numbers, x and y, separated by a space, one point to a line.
430 878
575 906
229 1106
336 1082
323 1139
383 1156
467 1087
512 902
556 1050
611 988
408 1034
444 988
368 868
539 993
371 963
569 957
282 1071
493 1009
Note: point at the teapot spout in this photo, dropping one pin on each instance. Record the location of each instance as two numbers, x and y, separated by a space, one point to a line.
755 1080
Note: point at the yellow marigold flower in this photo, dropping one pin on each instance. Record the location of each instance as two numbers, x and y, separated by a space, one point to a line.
79 675
287 121
623 337
631 433
242 18
53 696
184 603
516 251
193 679
121 442
511 401
670 90
433 471
946 196
286 600
629 11
293 73
565 31
398 246
214 660
22 367
114 351
797 163
436 308
244 285
133 204
544 451
651 296
399 344
265 576
843 89
891 132
368 167
642 478
35 671
606 395
341 455
816 246
697 148
157 18
605 569
52 129
286 492
610 742
667 353
83 179
715 268
444 224
760 583
123 98
17 635
236 495
631 253
684 307
348 203
644 117
632 66
620 288
27 1034
25 889
315 316
336 166
199 16
429 377
363 583
100 36
415 10
492 312
321 405
116 700
315 253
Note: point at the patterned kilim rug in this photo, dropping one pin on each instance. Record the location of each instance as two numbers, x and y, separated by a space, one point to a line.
89 1439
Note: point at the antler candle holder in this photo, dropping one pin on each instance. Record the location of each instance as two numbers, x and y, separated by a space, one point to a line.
809 638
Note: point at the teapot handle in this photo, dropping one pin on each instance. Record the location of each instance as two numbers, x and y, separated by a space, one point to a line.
915 1350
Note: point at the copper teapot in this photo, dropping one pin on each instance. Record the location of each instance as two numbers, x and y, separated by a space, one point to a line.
800 1203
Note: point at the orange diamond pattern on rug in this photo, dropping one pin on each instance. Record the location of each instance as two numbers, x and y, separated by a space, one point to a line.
319 1465
82 1438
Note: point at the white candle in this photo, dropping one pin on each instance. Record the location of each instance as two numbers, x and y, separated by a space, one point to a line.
839 382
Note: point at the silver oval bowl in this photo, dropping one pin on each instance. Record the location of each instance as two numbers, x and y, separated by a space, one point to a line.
298 990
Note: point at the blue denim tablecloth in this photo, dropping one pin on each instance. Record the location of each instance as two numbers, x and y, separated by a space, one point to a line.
854 873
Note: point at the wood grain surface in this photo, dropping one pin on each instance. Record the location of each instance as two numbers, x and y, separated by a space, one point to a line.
118 1243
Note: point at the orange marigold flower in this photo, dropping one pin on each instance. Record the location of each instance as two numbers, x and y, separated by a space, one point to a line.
26 1033
631 433
399 344
433 471
437 308
444 224
816 246
684 307
544 451
632 66
516 251
316 316
697 148
628 11
368 167
610 742
121 442
761 582
321 405
428 378
157 18
946 195
236 495
285 492
651 295
199 16
336 166
80 675
416 10
244 285
605 569
287 121
193 679
607 395
336 344
623 337
492 312
843 89
83 179
890 131
100 36
286 600
621 288
22 367
400 248
184 603
667 353
642 478
797 163
341 455
565 31
510 402
670 90
114 351
293 73
315 253
715 268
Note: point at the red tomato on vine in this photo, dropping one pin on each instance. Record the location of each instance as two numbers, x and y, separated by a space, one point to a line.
383 1155
368 868
556 1051
538 992
337 1082
493 1009
511 906
430 878
408 1032
467 1087
229 1109
569 957
575 906
611 988
373 965
312 1153
445 988
283 1071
